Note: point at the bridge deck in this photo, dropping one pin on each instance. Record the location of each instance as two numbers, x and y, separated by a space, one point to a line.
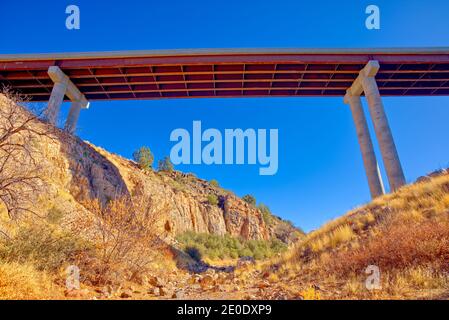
229 73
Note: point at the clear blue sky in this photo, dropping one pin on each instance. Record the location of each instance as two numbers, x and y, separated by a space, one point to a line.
320 173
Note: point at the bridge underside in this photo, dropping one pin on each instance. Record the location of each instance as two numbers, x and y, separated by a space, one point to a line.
229 73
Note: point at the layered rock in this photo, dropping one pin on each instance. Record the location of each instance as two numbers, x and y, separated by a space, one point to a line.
76 171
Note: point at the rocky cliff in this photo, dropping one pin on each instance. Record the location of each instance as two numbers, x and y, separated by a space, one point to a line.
76 170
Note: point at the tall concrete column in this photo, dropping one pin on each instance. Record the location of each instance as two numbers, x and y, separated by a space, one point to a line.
366 145
383 133
72 118
56 99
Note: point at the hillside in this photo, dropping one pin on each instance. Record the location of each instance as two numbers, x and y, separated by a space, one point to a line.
102 211
73 213
402 239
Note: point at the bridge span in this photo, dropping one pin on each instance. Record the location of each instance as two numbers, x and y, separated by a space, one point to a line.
220 73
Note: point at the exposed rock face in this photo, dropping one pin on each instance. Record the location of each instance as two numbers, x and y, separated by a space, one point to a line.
77 170
183 198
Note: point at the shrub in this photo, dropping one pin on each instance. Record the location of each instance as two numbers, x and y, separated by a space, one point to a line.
249 199
399 246
212 199
144 158
55 215
126 234
266 214
165 165
214 246
47 246
214 183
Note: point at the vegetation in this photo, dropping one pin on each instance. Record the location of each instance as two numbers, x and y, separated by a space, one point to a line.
20 168
214 183
222 247
266 214
405 234
23 282
144 158
249 199
45 246
212 199
165 165
126 233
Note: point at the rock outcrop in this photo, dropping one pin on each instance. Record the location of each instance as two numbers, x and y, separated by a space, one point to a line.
76 170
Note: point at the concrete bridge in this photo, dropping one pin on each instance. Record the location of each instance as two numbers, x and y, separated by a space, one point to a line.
350 74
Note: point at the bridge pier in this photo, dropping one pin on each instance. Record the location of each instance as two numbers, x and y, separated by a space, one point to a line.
64 86
384 136
54 104
366 83
72 118
366 145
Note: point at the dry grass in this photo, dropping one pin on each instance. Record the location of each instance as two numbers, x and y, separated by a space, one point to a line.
334 234
399 246
310 294
23 281
405 234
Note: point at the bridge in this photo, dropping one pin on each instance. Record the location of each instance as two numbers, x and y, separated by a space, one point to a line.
165 74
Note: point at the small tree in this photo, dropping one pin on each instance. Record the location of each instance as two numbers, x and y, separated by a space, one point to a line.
144 158
214 183
165 165
249 199
21 158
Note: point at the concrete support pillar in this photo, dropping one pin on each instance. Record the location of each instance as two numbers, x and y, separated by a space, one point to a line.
72 118
383 133
54 104
63 86
366 145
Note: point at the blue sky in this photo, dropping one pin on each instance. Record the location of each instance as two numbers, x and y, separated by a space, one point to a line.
321 172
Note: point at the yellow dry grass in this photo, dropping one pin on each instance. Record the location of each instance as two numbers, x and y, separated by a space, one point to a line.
23 281
406 233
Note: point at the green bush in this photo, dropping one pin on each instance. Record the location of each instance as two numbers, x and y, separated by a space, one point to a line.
47 246
212 199
249 199
144 158
222 247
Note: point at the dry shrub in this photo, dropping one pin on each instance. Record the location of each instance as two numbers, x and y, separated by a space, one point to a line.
46 246
21 170
126 235
398 246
